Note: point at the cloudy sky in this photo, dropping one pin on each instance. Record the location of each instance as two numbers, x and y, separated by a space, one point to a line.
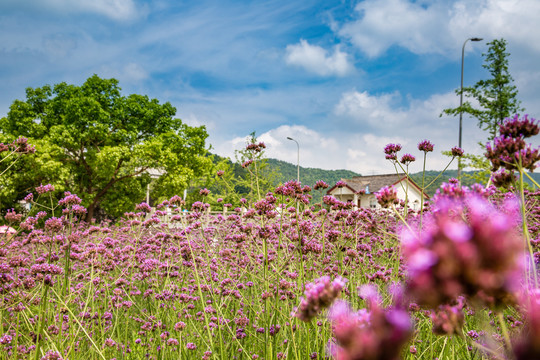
342 77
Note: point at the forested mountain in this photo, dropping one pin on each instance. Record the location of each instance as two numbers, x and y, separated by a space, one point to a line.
308 176
282 172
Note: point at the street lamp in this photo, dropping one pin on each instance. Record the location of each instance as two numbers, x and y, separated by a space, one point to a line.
298 159
461 100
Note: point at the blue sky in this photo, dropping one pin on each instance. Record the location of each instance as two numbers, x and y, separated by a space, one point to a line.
343 78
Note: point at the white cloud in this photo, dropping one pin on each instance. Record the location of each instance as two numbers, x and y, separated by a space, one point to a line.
440 27
316 59
375 110
372 121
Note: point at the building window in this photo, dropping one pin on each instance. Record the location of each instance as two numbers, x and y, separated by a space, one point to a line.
373 203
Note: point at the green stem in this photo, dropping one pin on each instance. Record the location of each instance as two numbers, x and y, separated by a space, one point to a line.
526 235
504 330
530 178
440 174
42 314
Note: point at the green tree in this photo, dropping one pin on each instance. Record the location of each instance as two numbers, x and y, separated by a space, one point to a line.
99 144
496 96
260 178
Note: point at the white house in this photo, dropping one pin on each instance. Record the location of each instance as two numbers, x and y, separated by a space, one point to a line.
360 190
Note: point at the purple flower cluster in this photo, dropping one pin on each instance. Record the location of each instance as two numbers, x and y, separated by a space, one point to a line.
425 146
318 295
391 151
387 196
407 159
509 150
449 319
369 334
19 145
457 151
320 185
467 248
528 345
256 147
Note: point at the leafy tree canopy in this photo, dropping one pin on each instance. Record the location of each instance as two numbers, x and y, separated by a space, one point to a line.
95 142
496 96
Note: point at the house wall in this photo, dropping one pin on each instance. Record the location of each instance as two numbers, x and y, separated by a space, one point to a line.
369 200
343 194
414 195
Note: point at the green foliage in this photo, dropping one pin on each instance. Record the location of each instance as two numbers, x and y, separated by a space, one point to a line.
260 177
99 144
235 182
496 96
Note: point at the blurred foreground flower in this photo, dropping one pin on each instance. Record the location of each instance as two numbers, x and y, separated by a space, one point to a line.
466 248
369 334
528 346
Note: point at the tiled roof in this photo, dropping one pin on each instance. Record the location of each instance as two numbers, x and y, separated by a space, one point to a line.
373 183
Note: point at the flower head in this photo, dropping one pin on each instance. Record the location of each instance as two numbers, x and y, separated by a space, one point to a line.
386 196
425 146
320 185
407 159
515 127
318 295
373 333
391 151
457 151
468 248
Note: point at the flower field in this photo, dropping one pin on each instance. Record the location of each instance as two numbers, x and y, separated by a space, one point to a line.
283 278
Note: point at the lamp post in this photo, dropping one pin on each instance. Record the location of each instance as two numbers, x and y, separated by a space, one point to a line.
298 159
461 101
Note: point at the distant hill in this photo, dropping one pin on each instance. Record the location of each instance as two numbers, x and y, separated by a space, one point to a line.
308 176
284 171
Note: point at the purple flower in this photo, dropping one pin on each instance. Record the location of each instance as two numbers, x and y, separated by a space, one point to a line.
516 127
53 224
407 159
467 248
144 207
386 196
318 295
503 178
204 192
527 346
425 146
392 148
449 320
373 333
42 189
457 151
320 185
509 149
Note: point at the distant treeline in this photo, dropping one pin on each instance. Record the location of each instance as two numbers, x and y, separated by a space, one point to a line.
283 171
